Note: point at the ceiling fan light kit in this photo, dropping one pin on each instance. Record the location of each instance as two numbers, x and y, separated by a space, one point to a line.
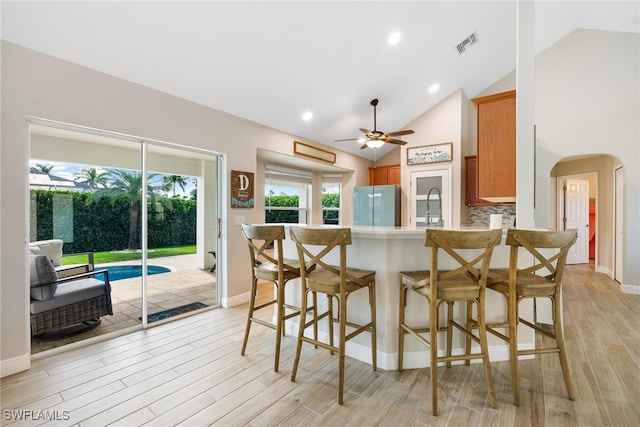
376 138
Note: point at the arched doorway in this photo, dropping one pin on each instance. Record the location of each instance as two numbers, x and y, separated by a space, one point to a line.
599 172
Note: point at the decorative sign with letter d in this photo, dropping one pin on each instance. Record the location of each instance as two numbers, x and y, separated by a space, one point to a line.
241 189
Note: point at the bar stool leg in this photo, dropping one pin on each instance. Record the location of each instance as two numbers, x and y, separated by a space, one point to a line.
252 303
279 322
557 325
401 334
433 351
331 319
342 320
303 321
374 339
449 330
469 327
512 317
482 332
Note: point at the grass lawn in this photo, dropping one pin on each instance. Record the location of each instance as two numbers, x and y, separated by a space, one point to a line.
103 257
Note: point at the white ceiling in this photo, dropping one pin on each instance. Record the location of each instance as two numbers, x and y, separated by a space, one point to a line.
271 61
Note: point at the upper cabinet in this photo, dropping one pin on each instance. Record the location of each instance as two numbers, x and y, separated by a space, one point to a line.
496 158
384 175
471 183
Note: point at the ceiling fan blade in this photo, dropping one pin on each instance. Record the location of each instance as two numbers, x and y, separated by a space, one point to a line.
347 139
400 132
364 145
393 141
366 131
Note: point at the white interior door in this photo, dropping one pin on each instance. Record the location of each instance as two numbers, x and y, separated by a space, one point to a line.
577 216
619 228
430 198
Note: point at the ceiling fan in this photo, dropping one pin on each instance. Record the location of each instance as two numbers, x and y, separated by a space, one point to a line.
378 137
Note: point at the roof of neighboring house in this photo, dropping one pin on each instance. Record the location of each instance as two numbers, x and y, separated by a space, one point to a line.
39 180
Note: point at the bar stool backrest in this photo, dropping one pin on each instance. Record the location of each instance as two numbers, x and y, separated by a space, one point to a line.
324 240
452 241
260 239
532 240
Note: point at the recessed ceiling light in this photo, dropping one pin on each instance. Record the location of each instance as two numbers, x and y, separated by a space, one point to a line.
434 88
394 38
307 116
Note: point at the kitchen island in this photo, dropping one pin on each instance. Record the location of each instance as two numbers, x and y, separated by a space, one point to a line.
389 250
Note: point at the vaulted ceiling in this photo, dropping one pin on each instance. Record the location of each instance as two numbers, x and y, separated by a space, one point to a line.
270 62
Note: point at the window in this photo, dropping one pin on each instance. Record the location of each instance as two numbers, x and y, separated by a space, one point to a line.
287 195
331 194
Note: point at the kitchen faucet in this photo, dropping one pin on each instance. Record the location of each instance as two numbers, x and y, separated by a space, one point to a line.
430 218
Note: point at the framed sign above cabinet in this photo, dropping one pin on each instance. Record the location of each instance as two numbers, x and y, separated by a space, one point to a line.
430 154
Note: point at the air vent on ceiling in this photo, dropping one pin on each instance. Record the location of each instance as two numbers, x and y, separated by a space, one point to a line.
468 42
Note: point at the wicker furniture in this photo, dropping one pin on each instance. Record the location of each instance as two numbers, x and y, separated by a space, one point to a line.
543 279
53 250
337 282
276 269
466 283
58 303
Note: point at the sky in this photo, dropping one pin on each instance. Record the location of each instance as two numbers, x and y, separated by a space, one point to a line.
69 171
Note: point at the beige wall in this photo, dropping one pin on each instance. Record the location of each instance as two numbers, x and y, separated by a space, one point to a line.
443 123
36 85
392 157
587 103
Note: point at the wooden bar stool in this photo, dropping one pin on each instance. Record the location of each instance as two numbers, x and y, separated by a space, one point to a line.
543 279
464 283
276 269
338 282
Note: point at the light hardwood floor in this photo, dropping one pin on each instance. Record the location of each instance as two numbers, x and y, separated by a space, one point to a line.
190 372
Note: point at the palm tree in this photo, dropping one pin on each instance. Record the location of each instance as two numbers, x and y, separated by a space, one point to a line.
129 183
170 181
44 168
92 177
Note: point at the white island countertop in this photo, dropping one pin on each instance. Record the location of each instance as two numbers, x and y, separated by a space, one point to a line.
388 251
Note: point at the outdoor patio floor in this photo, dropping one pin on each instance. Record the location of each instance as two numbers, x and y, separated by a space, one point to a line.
183 285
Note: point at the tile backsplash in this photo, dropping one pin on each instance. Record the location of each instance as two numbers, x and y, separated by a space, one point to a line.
482 213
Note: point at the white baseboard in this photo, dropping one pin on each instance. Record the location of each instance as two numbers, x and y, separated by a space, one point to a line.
630 289
604 270
14 365
413 359
235 300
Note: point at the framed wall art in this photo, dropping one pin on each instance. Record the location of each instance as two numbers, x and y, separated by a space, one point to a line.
313 152
241 189
430 154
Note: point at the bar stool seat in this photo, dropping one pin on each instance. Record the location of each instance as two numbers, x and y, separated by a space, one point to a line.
463 283
337 282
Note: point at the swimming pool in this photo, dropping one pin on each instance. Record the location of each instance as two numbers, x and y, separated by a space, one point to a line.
119 272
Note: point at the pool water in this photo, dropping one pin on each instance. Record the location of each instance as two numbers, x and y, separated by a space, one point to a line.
130 271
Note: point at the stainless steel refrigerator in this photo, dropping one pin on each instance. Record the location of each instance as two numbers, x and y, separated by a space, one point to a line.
376 205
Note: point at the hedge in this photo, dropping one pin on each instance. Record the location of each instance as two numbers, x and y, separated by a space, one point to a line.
102 224
291 216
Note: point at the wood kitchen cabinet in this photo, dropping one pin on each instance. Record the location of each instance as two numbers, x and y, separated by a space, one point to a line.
471 183
384 175
496 159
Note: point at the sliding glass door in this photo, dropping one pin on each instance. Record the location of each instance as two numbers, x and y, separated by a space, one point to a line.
146 211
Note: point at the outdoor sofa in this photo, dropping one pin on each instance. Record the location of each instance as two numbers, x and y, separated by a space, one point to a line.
63 296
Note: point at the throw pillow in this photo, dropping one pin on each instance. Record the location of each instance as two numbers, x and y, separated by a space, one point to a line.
43 277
